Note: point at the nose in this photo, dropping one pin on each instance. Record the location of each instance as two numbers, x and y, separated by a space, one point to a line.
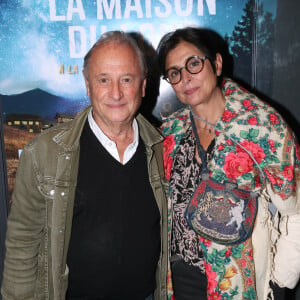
116 91
185 75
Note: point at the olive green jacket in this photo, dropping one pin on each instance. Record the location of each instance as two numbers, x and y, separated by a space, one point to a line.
39 224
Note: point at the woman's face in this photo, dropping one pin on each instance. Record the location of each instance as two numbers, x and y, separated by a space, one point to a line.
194 89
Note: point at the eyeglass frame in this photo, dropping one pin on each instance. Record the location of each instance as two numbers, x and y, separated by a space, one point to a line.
202 58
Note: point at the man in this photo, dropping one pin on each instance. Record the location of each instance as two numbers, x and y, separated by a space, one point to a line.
88 218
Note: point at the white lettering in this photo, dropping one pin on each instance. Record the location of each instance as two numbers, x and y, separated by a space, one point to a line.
72 10
166 13
148 8
114 4
53 16
211 5
93 35
137 8
180 12
77 41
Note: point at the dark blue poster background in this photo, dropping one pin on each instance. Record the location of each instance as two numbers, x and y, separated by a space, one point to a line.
45 41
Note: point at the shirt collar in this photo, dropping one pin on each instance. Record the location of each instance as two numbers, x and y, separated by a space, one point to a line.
109 144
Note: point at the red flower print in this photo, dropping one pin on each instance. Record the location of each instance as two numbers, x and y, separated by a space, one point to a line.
270 177
228 253
249 282
168 166
257 152
272 145
211 275
228 115
274 179
273 119
214 296
250 254
243 262
246 103
168 146
229 91
278 180
237 164
257 181
229 142
252 121
206 242
220 147
288 172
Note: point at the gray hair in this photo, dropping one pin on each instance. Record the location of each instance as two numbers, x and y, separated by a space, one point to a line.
118 37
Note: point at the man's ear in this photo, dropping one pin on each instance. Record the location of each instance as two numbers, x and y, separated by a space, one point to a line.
219 64
144 82
86 83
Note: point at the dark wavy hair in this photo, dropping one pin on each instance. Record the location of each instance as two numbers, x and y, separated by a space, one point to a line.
206 40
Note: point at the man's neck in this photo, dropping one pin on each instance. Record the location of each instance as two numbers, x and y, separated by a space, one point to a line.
122 134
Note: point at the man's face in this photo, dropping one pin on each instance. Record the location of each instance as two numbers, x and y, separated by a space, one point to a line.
115 84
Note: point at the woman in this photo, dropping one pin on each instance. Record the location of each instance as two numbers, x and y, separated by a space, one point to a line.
232 165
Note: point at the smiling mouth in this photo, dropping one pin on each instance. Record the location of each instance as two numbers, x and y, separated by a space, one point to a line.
191 91
115 105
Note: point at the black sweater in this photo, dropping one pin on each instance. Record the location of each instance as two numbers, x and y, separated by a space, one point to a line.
115 239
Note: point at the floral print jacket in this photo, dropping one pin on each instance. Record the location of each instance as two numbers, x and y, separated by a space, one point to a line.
270 167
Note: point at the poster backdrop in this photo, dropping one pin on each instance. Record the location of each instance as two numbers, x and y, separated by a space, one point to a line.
43 44
45 41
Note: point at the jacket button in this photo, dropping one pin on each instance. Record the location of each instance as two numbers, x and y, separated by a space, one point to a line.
52 192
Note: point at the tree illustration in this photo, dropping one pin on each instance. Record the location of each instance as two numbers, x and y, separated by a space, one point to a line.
251 46
265 52
242 42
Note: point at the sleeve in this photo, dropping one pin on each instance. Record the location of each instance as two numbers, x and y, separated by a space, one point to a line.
287 258
24 232
286 270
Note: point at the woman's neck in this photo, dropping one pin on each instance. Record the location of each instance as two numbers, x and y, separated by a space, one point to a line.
209 112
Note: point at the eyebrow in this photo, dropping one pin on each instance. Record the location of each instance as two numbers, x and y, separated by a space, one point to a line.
101 74
107 74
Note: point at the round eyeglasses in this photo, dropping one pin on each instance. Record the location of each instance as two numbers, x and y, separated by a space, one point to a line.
194 64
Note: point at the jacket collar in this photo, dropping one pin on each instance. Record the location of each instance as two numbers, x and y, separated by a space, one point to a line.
70 132
149 134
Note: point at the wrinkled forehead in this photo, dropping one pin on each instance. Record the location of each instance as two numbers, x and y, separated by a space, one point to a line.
112 55
114 59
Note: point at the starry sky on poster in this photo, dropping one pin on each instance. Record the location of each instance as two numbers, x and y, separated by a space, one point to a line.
38 37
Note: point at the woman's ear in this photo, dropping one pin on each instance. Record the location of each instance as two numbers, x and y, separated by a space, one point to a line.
218 64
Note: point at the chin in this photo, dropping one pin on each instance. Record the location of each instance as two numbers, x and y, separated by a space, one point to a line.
117 118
